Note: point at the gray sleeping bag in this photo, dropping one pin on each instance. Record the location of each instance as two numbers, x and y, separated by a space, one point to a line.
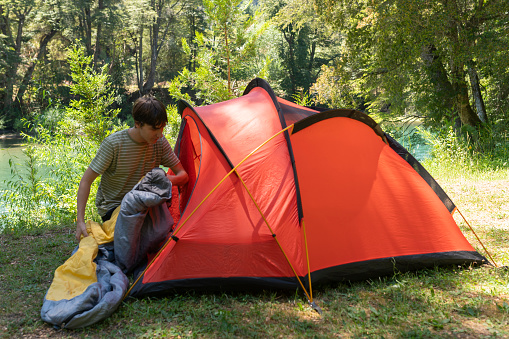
134 236
138 235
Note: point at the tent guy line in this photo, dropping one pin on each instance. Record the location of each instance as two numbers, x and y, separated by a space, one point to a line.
479 240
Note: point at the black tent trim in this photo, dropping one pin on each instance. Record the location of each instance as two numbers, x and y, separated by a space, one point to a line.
257 82
416 165
350 272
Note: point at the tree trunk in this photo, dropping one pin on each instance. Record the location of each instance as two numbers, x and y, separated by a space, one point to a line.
290 39
154 37
13 65
192 27
476 93
462 102
88 29
154 43
227 58
6 31
39 56
438 76
97 51
140 63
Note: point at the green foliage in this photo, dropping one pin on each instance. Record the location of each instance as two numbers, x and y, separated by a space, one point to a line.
410 57
43 189
302 98
304 44
205 82
90 113
456 154
173 126
448 153
27 196
333 90
224 57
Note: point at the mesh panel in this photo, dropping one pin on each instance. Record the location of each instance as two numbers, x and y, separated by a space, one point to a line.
293 114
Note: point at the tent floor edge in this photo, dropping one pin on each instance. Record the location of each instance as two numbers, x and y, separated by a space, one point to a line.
234 284
384 267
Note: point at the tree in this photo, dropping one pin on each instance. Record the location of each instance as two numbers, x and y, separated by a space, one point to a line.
403 54
27 27
306 44
150 19
232 36
225 54
47 22
13 17
91 113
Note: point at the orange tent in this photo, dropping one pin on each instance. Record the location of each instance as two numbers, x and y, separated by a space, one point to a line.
284 196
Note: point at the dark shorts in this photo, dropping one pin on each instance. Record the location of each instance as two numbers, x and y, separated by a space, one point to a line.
108 214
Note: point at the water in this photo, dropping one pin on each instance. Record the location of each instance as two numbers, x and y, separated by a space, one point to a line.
407 134
9 149
420 151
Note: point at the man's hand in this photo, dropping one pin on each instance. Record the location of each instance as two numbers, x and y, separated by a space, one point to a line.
83 192
81 229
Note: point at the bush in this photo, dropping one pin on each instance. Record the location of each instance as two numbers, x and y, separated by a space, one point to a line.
43 188
449 153
458 154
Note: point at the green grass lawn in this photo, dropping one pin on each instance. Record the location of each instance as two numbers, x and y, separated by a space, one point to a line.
443 302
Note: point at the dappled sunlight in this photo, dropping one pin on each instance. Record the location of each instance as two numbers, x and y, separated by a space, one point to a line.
485 206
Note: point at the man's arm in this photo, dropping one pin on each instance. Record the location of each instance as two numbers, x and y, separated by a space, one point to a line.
83 192
180 178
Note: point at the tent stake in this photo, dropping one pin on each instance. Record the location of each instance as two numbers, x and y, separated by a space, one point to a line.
315 307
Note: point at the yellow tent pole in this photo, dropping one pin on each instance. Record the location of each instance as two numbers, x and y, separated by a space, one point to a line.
310 297
201 203
307 258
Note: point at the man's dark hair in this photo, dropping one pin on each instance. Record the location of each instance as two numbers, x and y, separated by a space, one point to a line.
149 110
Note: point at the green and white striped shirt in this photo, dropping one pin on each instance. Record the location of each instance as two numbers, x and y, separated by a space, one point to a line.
122 162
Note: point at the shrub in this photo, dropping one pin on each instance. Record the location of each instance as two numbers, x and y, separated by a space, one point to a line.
43 188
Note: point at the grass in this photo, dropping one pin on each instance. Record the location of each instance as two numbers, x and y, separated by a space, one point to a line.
437 303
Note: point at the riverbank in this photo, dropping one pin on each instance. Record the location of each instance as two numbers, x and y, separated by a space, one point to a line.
9 135
11 148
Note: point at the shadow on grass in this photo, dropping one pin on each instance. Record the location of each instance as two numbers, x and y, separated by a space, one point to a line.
440 302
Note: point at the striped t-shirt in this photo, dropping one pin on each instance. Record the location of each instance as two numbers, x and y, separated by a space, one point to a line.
122 162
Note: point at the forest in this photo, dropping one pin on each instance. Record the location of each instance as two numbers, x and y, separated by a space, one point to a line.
70 71
442 61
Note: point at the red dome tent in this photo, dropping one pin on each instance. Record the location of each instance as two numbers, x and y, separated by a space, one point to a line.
282 196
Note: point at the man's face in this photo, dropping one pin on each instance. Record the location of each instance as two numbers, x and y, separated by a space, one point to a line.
151 134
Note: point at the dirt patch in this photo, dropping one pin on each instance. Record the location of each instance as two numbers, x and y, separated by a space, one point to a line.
483 203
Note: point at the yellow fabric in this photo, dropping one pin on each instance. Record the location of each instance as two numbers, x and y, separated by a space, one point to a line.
103 234
78 272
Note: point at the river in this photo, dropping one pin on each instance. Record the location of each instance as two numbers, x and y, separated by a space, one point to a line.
10 148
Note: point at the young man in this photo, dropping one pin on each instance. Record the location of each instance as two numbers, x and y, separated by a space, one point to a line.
125 157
